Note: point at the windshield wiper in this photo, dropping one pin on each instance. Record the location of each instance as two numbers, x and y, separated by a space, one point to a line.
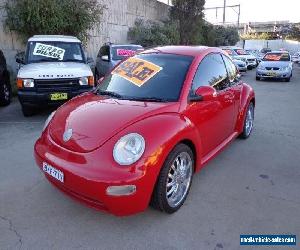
148 99
109 93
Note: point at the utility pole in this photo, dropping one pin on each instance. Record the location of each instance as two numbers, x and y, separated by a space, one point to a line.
224 12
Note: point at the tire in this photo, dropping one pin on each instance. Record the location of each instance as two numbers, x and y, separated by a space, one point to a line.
248 122
257 78
27 111
5 93
163 201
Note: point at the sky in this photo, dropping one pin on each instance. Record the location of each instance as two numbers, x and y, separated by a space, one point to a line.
255 10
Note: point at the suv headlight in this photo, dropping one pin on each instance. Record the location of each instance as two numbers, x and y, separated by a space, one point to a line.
86 80
129 149
25 83
48 120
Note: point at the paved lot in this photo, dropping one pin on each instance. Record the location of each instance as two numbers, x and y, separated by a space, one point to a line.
252 187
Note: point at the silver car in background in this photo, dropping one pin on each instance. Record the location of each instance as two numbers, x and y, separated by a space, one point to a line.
241 65
277 65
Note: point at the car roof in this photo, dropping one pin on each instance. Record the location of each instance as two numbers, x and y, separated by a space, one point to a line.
54 38
182 50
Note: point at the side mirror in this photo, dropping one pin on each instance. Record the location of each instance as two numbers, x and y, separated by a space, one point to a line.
105 58
20 57
89 60
204 93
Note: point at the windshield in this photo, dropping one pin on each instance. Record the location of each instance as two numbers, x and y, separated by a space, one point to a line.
241 52
147 77
277 57
121 52
54 52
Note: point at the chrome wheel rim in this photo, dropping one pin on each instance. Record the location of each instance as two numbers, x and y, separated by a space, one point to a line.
179 179
6 92
249 120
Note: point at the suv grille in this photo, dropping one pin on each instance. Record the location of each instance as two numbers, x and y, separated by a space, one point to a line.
50 85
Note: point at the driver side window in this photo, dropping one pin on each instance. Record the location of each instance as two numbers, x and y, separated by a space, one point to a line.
211 72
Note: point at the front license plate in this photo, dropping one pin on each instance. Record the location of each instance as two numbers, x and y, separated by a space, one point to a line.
271 74
57 174
58 96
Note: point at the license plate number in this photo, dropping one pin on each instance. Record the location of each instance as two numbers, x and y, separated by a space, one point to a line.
57 174
271 73
58 96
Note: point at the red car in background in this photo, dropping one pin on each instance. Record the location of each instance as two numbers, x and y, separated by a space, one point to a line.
153 122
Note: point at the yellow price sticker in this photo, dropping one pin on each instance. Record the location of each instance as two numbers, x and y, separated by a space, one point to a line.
137 71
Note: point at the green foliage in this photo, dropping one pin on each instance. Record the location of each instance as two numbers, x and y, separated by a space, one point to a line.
226 36
255 36
149 33
65 17
189 16
294 33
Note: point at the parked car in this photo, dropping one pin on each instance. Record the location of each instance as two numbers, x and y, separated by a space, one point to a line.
241 65
151 123
265 50
110 55
276 64
241 54
5 87
54 70
296 57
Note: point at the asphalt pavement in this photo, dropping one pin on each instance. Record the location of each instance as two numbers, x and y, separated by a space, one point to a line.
252 187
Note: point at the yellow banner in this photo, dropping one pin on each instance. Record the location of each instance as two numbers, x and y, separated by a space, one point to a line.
137 71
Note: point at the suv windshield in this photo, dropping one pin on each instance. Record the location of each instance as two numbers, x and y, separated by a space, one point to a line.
121 52
147 77
277 57
54 51
241 52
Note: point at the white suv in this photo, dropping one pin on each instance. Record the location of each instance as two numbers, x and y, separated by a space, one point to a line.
241 54
53 70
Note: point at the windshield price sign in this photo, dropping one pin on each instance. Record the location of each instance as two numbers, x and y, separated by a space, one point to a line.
46 50
137 71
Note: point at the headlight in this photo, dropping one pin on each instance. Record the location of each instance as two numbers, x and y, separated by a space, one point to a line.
285 68
48 120
129 149
84 80
25 83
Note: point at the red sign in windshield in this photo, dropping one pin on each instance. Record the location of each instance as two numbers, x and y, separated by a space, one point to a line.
125 52
276 57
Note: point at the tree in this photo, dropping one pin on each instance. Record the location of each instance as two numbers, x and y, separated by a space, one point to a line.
66 17
226 36
150 33
188 14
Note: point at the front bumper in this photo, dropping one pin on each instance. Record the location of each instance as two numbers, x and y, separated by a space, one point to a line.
34 98
88 175
278 74
242 68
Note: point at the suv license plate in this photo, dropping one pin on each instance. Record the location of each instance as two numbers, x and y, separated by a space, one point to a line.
58 96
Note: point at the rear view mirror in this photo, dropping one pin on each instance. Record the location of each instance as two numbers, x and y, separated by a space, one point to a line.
204 93
105 58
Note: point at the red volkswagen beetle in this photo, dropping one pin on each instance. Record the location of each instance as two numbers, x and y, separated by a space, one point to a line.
153 122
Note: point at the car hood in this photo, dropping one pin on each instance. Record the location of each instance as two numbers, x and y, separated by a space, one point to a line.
278 64
48 70
95 119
